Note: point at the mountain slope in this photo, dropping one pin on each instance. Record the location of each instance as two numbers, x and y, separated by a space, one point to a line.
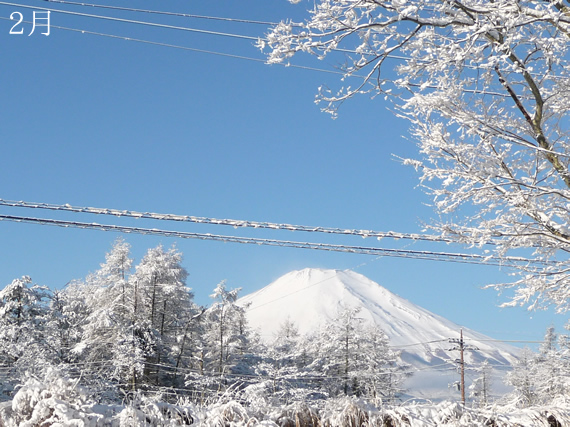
311 297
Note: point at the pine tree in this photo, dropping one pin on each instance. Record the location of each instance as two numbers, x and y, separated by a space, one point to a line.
66 319
380 369
164 297
523 378
340 342
551 368
223 331
480 388
539 378
187 348
285 346
226 345
354 358
108 344
23 310
283 364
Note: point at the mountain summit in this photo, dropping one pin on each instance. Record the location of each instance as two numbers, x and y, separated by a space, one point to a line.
312 297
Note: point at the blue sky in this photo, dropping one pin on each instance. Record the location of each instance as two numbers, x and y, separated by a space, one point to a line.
91 120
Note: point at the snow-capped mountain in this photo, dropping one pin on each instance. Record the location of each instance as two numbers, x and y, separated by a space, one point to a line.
312 297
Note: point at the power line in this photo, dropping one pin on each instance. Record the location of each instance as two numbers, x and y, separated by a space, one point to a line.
239 36
186 48
401 253
213 374
132 21
236 223
158 12
263 61
512 341
395 346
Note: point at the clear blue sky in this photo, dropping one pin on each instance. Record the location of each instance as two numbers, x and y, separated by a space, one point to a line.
96 121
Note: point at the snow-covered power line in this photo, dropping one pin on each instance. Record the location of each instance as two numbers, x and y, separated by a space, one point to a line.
236 223
132 21
208 32
160 12
169 45
217 33
401 253
187 48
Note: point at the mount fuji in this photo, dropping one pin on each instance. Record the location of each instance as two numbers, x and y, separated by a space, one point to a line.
312 297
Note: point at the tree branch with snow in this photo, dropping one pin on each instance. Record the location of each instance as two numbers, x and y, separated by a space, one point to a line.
485 87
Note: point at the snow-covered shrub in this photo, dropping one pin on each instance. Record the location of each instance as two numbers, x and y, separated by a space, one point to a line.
153 412
452 414
257 398
346 412
56 401
231 413
298 415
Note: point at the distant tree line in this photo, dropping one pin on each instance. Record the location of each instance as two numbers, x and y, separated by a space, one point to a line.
128 329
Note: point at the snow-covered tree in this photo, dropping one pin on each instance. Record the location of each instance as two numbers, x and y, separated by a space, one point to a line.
283 361
131 334
381 369
354 358
340 350
65 320
485 86
109 344
523 378
23 309
285 346
164 307
540 378
480 388
223 335
226 344
114 274
552 368
187 350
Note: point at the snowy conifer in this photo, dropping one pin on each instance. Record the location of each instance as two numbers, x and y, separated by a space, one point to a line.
108 346
523 378
283 364
226 342
23 309
480 388
355 359
551 369
162 297
65 320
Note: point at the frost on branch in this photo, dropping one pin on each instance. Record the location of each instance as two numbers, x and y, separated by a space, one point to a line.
485 87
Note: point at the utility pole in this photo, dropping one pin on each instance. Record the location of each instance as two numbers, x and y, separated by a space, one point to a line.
461 347
462 363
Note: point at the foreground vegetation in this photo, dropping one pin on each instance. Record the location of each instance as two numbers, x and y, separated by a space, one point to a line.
128 347
61 402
